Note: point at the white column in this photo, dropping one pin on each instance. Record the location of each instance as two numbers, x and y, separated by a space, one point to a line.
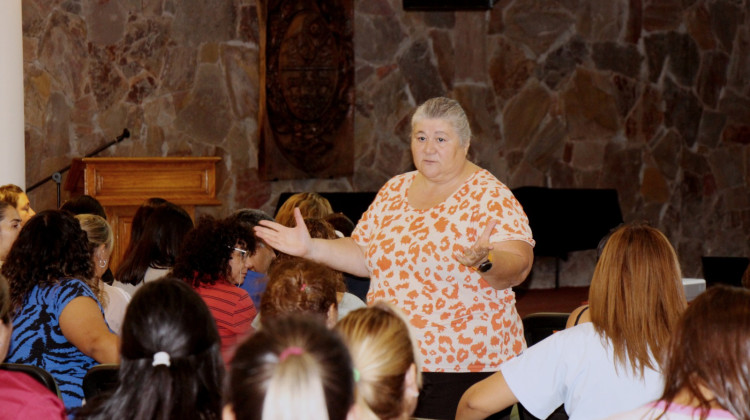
12 145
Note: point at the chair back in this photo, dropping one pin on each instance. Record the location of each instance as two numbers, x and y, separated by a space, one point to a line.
42 376
540 325
537 327
100 379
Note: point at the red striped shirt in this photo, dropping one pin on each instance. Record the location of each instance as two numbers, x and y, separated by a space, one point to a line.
233 311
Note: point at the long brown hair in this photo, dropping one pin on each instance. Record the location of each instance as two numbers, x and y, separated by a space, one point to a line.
711 348
636 295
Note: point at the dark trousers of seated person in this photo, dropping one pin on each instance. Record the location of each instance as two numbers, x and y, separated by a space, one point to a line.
441 392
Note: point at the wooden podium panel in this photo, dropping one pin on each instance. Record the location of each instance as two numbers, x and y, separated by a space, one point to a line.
122 184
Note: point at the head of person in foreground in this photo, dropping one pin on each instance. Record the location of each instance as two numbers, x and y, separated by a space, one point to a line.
708 362
383 352
296 285
294 368
170 365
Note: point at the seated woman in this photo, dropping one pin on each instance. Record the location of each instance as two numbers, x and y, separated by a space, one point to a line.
58 323
14 195
114 300
20 394
346 302
260 258
611 364
214 260
139 220
171 364
311 205
156 251
706 373
384 356
295 369
296 285
10 225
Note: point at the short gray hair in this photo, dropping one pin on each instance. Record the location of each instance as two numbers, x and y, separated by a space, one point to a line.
448 109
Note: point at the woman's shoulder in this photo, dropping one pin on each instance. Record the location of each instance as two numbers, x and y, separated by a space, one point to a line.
27 398
399 182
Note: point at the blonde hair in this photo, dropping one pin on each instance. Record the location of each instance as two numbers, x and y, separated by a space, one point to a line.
311 205
636 295
292 368
382 350
442 108
98 233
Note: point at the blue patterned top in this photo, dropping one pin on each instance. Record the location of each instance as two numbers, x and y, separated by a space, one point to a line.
37 339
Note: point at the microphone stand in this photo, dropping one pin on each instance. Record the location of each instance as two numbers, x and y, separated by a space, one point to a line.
57 176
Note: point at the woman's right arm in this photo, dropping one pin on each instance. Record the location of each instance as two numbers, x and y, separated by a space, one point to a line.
341 254
83 325
485 398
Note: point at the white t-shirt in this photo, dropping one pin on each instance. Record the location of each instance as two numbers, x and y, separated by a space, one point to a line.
117 302
652 411
576 367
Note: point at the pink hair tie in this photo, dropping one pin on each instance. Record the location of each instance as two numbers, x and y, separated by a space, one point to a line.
290 351
303 287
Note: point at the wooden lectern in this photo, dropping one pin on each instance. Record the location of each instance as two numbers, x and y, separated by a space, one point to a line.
123 184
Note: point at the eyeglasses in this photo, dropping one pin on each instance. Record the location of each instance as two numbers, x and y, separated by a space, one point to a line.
243 253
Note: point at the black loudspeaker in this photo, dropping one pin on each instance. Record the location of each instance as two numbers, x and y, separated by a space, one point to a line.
445 5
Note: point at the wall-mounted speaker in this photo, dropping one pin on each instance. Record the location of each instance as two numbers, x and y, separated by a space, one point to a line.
445 5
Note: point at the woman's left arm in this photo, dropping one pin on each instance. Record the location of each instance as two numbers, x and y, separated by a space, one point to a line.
511 263
485 398
83 325
511 260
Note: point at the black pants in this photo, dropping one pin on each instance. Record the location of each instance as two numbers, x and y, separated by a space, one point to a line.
441 393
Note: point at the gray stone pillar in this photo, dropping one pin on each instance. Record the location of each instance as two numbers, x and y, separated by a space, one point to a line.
13 154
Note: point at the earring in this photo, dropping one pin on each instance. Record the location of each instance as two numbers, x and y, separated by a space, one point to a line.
102 263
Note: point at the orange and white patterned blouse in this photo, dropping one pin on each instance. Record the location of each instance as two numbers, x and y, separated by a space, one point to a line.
461 323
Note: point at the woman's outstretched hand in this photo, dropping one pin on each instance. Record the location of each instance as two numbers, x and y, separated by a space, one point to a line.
478 252
294 241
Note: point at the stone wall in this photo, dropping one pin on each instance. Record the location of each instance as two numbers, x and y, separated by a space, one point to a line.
649 97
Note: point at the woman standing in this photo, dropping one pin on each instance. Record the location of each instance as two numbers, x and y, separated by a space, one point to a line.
610 364
58 323
444 244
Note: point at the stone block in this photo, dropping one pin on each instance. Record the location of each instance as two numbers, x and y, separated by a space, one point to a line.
524 114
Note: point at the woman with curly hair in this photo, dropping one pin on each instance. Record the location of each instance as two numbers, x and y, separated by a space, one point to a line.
171 366
58 323
214 260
